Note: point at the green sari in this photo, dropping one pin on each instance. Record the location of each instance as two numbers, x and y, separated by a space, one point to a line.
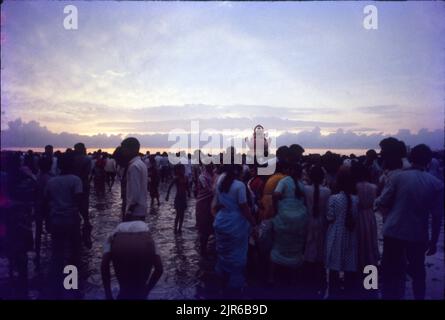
289 226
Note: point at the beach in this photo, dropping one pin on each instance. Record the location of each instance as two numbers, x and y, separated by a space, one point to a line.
187 275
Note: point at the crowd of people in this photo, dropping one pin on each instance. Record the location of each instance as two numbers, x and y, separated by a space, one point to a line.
310 226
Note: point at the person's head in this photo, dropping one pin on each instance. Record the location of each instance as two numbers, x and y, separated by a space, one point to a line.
359 172
421 155
65 163
118 157
282 153
80 148
232 172
295 152
392 153
316 175
371 155
45 164
130 148
313 159
282 159
345 182
49 150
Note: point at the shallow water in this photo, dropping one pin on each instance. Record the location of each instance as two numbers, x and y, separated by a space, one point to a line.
181 260
186 274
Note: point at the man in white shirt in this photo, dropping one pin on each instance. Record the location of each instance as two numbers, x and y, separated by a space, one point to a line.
158 158
162 165
136 179
110 171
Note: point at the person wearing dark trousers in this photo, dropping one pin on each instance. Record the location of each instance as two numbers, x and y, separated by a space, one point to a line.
64 195
413 197
40 206
17 192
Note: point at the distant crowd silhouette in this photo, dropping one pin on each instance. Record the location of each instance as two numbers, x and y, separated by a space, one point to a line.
311 226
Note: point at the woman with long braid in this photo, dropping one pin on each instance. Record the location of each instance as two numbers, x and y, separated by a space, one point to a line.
232 225
317 197
289 224
341 239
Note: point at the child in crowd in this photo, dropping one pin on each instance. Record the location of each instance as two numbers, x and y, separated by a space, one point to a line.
182 190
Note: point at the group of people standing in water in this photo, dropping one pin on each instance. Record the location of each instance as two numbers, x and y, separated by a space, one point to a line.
311 226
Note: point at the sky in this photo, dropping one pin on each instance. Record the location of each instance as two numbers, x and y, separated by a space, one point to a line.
307 70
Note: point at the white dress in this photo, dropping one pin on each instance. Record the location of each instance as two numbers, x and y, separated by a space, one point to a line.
341 244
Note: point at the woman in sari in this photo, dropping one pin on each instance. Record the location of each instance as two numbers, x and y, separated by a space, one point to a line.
232 227
290 223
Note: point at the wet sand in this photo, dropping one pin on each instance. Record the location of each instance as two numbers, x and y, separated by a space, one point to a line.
187 275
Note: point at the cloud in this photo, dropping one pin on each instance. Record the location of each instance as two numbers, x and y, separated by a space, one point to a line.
134 56
32 134
219 124
386 110
88 117
381 109
352 140
365 129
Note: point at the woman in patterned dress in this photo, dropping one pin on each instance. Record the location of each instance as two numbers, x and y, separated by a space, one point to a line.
341 238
